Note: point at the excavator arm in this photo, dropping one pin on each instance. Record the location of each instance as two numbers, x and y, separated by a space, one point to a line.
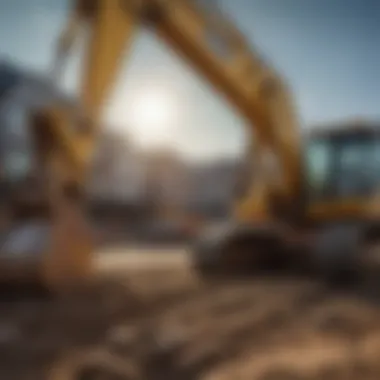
200 33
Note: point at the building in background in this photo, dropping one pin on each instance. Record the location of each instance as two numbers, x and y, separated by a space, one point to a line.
117 172
181 187
20 93
166 181
212 187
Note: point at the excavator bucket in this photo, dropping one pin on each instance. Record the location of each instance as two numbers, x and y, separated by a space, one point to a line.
53 253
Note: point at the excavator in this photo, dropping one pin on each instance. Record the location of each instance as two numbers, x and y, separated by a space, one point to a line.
306 197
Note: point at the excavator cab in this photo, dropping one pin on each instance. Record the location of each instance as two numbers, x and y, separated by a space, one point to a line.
340 214
342 172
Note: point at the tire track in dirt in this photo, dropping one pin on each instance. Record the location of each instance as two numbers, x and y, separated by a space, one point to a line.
271 323
166 324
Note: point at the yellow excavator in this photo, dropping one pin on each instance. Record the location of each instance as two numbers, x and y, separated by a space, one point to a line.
296 193
331 223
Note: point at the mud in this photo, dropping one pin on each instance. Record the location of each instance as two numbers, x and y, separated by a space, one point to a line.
166 324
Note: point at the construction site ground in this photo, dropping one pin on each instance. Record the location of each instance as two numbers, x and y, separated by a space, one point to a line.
151 317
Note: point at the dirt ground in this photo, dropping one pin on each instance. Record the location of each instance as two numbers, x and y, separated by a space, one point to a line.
157 320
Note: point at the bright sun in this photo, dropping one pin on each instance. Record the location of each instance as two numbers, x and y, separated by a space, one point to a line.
152 113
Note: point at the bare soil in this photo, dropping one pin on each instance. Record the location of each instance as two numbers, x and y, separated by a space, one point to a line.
162 322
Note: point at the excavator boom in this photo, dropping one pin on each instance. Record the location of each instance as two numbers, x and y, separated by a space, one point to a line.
210 42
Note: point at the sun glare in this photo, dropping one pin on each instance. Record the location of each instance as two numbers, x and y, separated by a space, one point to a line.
152 113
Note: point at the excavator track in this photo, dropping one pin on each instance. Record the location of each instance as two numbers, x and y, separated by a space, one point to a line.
235 251
334 254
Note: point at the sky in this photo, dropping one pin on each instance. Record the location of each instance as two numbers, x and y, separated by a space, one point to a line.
328 50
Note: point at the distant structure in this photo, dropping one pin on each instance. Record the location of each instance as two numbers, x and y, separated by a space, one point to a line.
213 188
166 180
117 174
207 189
21 92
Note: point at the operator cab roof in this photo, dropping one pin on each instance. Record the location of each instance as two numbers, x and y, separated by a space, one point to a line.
349 128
